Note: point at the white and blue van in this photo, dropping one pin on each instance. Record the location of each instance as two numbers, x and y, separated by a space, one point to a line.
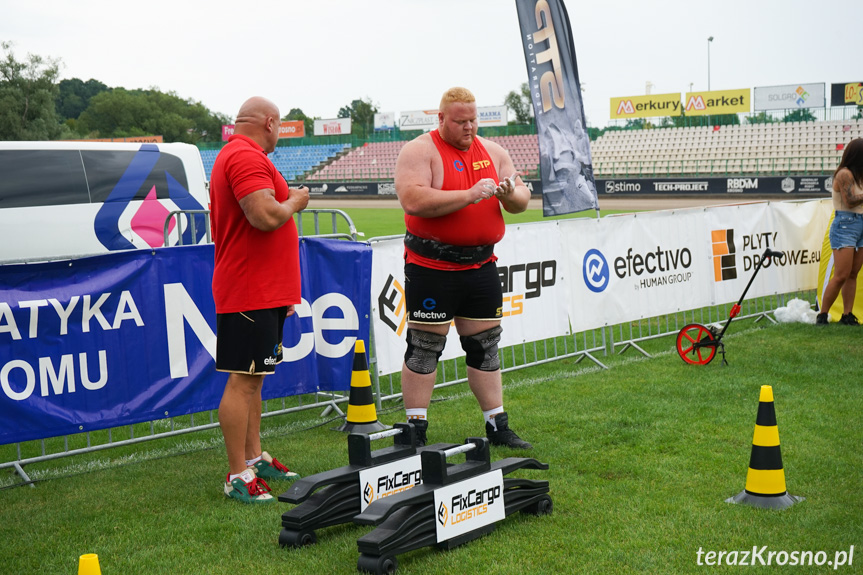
71 199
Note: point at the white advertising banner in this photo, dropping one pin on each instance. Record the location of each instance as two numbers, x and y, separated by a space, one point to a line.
789 97
469 505
634 266
492 116
530 264
332 127
739 235
385 121
388 479
425 120
587 273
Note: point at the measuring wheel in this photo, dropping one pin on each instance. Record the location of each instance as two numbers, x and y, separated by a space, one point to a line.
697 344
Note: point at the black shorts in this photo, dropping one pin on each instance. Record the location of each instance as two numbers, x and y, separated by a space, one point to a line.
250 341
437 296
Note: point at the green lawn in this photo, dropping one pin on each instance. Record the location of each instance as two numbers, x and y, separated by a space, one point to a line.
642 457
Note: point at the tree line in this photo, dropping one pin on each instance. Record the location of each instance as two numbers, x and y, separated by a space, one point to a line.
36 105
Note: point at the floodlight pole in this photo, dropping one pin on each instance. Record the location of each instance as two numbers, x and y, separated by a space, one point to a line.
709 41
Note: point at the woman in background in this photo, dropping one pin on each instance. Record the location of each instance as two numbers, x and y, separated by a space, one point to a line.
846 234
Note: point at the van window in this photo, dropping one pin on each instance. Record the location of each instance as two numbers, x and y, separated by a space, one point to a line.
41 178
106 168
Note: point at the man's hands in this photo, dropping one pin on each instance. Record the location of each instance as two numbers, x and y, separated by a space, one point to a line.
486 188
506 187
482 190
299 197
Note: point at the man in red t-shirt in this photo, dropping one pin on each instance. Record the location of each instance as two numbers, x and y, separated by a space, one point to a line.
256 283
451 184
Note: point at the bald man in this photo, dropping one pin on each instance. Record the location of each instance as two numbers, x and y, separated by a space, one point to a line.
256 283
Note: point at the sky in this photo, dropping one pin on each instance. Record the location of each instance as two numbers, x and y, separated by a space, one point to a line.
320 55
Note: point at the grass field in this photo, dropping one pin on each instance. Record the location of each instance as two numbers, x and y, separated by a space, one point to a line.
642 457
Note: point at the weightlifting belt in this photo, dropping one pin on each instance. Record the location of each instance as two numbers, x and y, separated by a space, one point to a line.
446 252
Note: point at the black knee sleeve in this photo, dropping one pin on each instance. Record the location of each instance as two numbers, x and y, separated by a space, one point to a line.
481 349
424 350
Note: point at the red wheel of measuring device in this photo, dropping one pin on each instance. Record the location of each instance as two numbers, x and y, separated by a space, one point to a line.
696 344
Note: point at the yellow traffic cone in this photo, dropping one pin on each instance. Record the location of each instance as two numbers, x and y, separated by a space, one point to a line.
361 417
765 480
88 564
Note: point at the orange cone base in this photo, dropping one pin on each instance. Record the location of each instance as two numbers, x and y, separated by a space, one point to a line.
362 427
777 502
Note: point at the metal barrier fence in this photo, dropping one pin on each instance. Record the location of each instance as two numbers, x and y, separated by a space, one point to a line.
17 455
587 345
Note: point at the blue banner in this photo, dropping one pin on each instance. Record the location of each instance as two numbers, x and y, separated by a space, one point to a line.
130 336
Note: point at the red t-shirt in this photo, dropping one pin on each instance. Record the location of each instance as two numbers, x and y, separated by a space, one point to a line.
474 225
254 269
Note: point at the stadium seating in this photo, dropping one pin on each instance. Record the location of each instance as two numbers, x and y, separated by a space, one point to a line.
292 161
377 160
771 149
779 148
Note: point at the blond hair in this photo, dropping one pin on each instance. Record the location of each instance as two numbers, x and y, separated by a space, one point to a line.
462 95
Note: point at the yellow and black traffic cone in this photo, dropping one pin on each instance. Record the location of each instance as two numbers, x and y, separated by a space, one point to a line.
361 417
88 564
765 480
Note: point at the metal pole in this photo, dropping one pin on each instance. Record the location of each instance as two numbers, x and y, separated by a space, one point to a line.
709 41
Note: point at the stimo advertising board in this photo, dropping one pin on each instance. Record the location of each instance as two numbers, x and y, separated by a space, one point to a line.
811 186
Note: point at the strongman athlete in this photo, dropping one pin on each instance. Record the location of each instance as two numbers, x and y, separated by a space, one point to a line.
451 185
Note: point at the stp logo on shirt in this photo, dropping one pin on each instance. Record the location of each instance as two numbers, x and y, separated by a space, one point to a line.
481 164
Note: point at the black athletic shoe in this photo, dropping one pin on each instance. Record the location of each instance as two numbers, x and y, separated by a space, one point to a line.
420 428
821 319
504 435
849 319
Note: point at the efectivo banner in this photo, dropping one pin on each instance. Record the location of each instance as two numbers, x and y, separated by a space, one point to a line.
638 266
717 102
574 275
564 146
130 336
649 106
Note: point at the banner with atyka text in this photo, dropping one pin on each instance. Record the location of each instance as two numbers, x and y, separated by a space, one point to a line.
564 146
129 336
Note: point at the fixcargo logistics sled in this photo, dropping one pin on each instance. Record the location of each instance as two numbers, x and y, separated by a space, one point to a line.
71 199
